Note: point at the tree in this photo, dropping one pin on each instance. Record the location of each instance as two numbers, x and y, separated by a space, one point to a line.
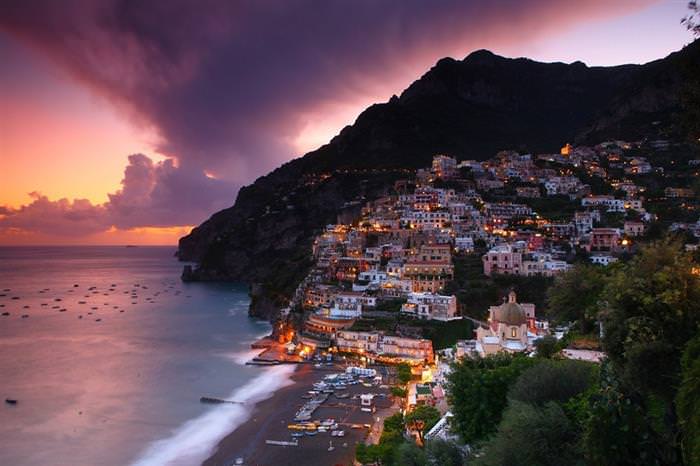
557 381
575 295
403 372
546 346
652 309
618 432
422 419
409 454
530 435
688 403
477 391
443 453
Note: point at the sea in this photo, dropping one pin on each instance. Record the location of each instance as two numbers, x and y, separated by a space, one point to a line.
108 353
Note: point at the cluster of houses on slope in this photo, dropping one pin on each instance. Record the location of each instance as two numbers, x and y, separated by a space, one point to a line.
401 247
533 244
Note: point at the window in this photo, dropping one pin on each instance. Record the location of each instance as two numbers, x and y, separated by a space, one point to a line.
513 332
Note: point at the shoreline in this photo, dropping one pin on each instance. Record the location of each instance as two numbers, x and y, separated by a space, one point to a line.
269 420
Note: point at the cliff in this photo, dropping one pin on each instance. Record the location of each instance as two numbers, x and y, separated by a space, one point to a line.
469 109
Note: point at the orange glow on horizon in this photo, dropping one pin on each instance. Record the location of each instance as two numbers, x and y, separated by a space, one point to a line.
142 236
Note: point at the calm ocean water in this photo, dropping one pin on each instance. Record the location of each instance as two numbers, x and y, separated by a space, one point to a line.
123 389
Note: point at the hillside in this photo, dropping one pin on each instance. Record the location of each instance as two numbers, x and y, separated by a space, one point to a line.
469 109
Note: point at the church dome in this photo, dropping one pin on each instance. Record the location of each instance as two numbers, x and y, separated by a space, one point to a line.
511 314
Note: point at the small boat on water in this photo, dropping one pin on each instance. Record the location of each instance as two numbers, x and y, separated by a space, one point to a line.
10 401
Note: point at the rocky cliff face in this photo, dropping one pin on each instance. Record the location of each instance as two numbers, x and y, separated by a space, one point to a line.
469 109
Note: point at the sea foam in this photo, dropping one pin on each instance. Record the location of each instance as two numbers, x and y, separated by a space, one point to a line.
195 440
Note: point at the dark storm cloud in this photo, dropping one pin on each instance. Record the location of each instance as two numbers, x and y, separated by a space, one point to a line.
228 86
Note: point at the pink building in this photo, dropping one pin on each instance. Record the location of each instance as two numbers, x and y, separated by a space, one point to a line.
503 259
604 240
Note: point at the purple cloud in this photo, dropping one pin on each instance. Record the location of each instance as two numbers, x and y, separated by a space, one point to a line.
230 86
153 194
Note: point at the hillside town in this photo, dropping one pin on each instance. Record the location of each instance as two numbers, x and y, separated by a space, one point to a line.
384 276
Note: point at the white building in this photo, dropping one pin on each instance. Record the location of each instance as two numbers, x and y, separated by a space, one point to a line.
431 306
444 167
603 259
464 244
349 304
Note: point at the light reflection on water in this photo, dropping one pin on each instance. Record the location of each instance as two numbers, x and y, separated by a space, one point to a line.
100 392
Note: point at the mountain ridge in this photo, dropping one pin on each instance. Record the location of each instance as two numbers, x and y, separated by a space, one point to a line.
468 108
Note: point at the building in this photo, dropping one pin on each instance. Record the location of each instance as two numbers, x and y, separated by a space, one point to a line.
465 348
679 192
430 306
506 211
583 222
320 326
427 219
528 191
390 349
633 228
542 264
604 240
562 185
603 259
464 244
444 167
507 329
504 259
567 150
349 304
609 202
429 268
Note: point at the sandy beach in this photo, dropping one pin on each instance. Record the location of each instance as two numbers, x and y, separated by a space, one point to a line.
270 419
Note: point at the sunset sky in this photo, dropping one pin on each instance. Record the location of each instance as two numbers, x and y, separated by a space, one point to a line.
127 122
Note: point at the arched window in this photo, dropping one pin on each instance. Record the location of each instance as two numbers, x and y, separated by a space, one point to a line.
513 332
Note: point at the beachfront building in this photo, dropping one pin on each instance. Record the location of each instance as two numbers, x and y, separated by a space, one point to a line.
325 327
431 306
391 349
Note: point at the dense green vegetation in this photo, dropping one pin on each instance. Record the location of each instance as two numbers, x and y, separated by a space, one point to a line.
389 442
396 449
639 407
476 292
478 390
